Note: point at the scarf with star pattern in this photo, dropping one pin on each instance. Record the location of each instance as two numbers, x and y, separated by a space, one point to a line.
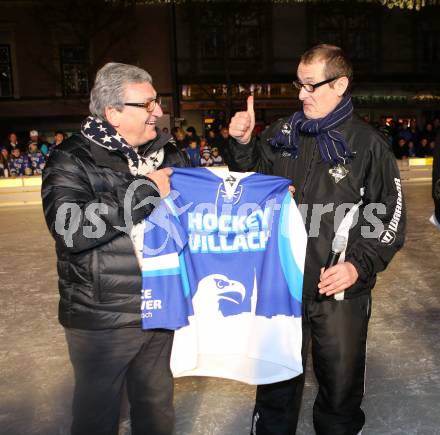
104 135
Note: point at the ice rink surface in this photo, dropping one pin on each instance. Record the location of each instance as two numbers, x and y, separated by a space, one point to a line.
403 367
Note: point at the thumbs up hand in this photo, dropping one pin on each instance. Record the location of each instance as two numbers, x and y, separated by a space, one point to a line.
242 124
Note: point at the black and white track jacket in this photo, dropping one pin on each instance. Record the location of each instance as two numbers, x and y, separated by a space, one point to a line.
366 206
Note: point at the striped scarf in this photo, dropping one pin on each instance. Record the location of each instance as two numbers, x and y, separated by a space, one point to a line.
332 145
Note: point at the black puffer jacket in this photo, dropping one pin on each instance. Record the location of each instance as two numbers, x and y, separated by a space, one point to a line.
373 180
99 276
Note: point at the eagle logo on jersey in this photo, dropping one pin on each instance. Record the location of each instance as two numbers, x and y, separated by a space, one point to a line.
217 294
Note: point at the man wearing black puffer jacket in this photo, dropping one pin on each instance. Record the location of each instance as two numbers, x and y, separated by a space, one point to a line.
348 188
98 186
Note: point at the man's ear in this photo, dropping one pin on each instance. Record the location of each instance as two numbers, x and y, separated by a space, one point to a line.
113 116
341 86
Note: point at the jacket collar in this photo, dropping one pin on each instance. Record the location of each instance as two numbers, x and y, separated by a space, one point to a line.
157 143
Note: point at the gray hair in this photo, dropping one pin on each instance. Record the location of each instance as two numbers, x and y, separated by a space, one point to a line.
109 87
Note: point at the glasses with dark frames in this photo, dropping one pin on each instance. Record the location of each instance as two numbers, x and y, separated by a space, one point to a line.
149 106
309 87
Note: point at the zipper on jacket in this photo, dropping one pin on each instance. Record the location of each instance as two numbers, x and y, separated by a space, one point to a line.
309 170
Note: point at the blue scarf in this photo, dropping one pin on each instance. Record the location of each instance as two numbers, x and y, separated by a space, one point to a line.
332 145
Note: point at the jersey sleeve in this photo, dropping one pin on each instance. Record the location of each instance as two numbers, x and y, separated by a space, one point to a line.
165 288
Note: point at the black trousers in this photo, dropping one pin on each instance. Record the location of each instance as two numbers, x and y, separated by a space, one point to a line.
106 359
338 332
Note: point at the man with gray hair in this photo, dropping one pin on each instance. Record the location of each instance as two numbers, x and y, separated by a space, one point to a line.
98 186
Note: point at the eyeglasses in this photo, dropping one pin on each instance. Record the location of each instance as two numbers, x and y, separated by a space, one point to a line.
311 88
149 106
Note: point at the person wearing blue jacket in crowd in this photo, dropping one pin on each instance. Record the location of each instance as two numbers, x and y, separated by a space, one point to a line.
36 159
193 152
19 163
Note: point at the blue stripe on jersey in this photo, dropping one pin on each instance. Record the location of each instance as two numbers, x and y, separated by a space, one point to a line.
161 272
292 273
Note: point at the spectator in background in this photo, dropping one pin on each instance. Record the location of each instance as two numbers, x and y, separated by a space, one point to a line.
19 164
217 159
212 138
193 153
4 162
386 130
436 125
42 145
192 134
5 153
404 132
206 160
13 143
401 149
423 149
165 130
58 140
411 149
36 159
415 131
181 139
203 144
34 138
428 132
219 122
223 147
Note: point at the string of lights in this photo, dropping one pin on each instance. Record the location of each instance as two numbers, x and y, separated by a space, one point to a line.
415 5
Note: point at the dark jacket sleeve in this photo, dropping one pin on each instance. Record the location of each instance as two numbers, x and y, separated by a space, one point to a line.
80 218
256 155
371 252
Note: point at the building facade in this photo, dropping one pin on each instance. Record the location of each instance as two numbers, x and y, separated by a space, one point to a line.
205 59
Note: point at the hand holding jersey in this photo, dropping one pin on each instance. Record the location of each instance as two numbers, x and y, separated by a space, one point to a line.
162 179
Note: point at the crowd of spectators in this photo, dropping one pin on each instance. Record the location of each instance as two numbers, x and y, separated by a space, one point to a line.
410 140
18 158
406 138
209 150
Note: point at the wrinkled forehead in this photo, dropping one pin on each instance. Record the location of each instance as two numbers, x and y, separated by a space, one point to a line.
313 70
140 91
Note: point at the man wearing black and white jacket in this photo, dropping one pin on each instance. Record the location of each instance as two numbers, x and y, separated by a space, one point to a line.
98 186
346 184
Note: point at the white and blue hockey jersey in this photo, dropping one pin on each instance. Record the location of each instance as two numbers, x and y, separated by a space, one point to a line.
223 263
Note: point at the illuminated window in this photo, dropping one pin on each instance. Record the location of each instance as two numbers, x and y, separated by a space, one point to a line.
75 70
5 72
